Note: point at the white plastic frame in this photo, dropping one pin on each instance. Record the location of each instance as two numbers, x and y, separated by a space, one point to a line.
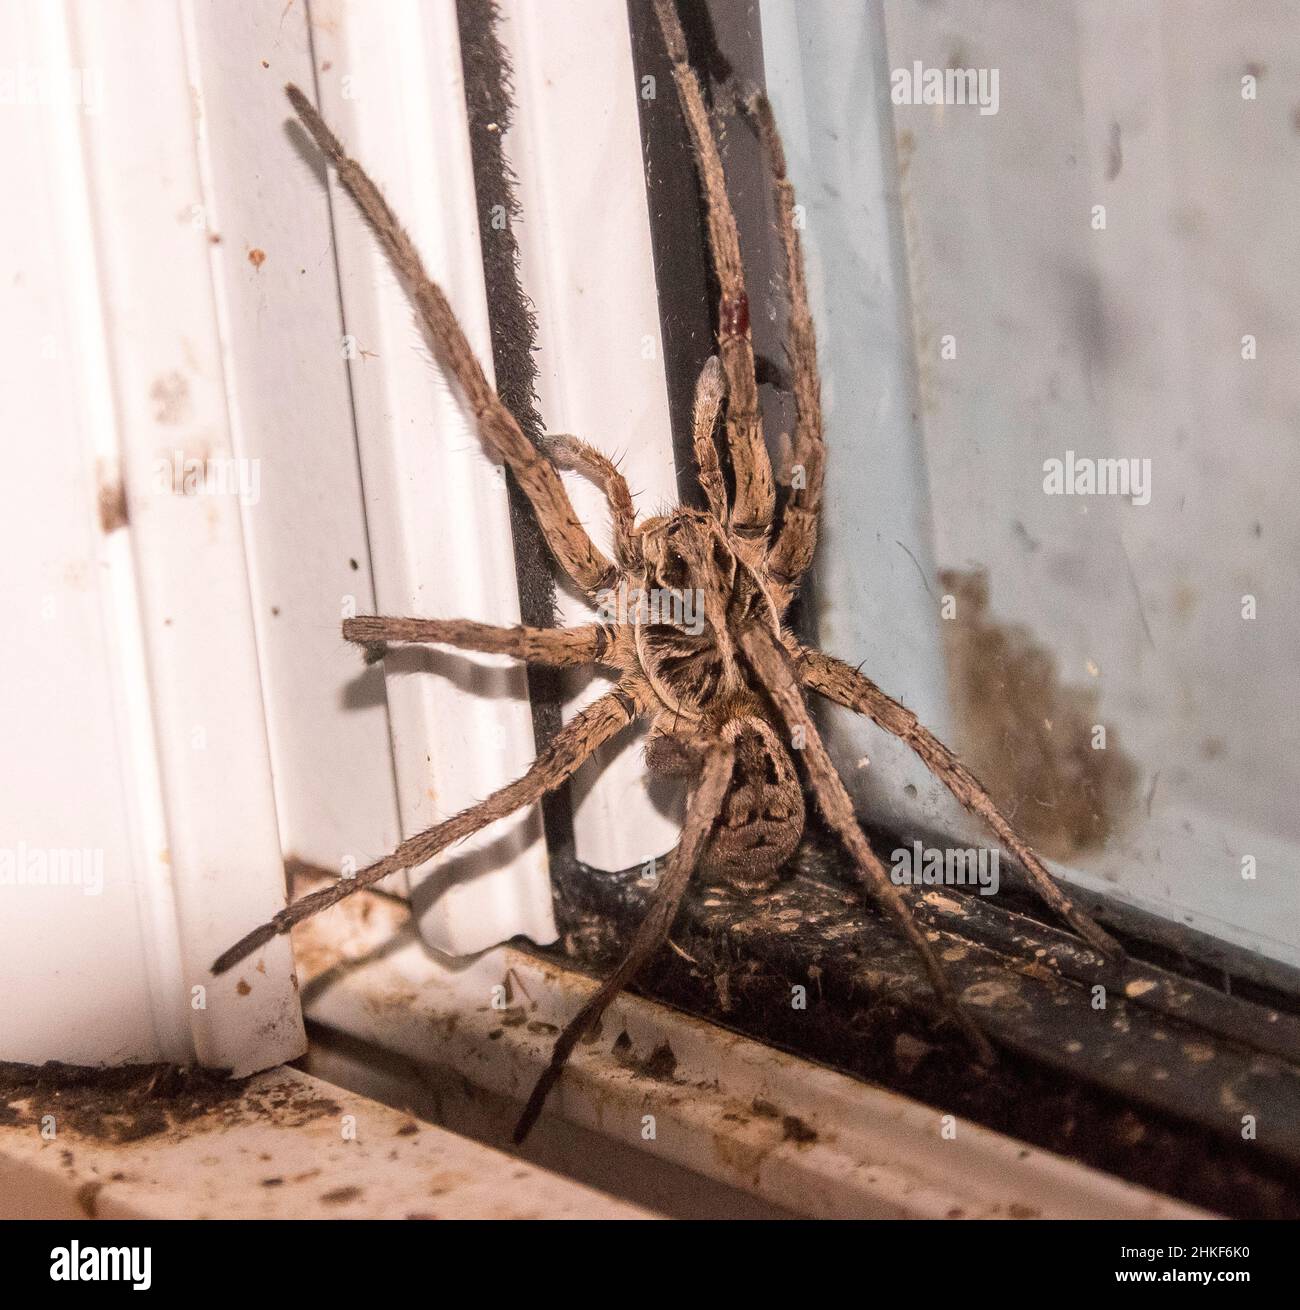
132 684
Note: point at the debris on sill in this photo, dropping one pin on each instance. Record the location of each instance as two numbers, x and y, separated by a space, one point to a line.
661 1107
113 1105
167 1142
1128 1090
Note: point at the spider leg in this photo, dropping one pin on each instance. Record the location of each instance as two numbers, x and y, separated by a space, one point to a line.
846 686
755 494
561 757
502 435
568 452
796 540
709 391
555 647
772 663
702 809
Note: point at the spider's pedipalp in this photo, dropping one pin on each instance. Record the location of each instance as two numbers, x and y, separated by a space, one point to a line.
755 494
568 452
710 389
703 806
771 662
846 686
498 428
556 763
554 647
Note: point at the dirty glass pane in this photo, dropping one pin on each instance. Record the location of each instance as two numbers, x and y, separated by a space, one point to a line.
1091 515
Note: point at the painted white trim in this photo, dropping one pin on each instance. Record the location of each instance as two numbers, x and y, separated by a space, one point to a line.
586 263
136 696
390 84
291 409
161 326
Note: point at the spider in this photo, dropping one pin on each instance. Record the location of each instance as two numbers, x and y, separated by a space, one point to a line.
725 698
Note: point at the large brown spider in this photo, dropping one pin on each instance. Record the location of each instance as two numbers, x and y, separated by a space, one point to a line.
723 697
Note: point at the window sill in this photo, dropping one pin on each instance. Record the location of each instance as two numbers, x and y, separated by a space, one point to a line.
739 1127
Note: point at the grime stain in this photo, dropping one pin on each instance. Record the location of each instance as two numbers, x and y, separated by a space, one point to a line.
1114 153
660 1064
113 512
1026 735
740 1155
88 1197
257 257
794 1129
170 394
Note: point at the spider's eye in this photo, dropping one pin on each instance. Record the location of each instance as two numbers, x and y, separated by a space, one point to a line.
673 570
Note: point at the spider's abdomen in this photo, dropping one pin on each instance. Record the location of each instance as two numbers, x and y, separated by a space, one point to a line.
763 816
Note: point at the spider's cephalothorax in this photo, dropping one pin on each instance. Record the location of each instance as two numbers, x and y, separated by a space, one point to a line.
695 596
691 610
